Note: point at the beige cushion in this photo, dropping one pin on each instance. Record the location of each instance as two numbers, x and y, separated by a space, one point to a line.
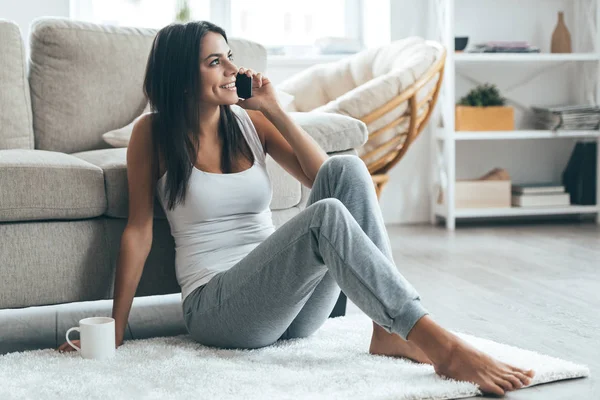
38 185
86 79
16 130
113 163
120 137
331 132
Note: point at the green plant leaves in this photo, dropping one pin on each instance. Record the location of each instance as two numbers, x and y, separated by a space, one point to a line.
483 96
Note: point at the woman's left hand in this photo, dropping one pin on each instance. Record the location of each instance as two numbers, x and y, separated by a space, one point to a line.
263 92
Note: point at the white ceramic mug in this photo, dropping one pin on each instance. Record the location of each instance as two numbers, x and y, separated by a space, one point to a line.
97 338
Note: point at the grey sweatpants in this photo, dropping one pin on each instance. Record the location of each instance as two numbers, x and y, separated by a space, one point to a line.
287 286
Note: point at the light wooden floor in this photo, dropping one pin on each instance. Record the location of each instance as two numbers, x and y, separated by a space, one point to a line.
532 286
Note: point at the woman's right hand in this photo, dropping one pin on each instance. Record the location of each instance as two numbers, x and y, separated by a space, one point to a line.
65 347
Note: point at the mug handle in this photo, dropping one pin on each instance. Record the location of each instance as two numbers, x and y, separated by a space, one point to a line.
76 328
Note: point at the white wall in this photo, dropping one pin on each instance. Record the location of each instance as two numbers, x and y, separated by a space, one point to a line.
24 11
405 199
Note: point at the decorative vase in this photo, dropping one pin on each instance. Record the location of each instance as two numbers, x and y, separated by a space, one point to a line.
561 38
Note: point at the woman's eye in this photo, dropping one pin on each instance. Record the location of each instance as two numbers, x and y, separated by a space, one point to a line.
216 60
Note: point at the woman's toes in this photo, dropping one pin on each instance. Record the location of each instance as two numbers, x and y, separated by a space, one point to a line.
523 376
504 384
530 373
494 388
516 383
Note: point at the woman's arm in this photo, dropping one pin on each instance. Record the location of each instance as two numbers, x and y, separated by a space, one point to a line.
130 265
310 155
136 240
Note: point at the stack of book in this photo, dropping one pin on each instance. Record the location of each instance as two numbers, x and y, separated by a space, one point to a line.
504 47
539 195
578 117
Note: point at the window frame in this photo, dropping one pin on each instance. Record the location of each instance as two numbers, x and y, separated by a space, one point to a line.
220 14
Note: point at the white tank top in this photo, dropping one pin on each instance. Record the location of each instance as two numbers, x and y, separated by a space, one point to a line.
224 217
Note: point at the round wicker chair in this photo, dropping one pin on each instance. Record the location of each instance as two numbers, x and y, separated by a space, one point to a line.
393 89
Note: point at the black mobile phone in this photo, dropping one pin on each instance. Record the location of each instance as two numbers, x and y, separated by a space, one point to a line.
243 83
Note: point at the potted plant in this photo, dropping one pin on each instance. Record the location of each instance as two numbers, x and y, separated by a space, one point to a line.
483 109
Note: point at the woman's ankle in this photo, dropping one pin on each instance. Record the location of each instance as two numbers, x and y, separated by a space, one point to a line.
436 342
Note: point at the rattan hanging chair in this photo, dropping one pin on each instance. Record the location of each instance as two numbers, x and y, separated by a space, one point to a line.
393 89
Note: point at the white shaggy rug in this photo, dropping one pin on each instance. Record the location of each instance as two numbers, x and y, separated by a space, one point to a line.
332 364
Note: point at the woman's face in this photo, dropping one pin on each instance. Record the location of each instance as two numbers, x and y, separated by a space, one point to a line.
217 71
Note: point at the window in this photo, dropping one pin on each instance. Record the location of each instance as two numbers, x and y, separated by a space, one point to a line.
282 26
138 13
279 24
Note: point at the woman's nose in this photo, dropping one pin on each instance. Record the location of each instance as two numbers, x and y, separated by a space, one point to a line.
232 68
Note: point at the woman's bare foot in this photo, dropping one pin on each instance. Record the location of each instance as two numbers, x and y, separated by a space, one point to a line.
466 363
452 357
392 345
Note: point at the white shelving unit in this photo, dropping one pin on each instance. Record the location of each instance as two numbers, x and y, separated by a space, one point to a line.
445 137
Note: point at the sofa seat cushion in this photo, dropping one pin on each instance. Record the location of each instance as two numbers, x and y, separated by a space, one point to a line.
114 164
286 189
47 185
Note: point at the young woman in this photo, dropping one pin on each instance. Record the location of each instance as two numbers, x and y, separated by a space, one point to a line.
245 284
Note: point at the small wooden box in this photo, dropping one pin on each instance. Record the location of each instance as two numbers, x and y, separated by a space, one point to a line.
496 118
482 194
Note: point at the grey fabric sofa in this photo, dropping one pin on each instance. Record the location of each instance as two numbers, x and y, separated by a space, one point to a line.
63 191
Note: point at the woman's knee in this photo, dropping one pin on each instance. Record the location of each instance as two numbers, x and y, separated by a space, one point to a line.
344 160
348 169
330 204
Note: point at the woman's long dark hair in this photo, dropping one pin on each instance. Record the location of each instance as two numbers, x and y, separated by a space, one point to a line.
172 84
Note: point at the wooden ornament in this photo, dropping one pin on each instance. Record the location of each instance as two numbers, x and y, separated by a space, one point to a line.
561 38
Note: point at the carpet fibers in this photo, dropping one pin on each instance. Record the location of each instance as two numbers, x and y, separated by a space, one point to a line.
334 363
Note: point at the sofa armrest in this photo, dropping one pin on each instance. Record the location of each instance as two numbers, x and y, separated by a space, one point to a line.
332 132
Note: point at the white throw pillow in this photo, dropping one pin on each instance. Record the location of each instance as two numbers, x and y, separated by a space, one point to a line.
120 137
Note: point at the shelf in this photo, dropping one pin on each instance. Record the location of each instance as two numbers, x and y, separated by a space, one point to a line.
527 57
517 211
517 134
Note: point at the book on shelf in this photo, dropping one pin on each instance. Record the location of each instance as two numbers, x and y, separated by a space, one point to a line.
541 200
503 47
537 188
573 117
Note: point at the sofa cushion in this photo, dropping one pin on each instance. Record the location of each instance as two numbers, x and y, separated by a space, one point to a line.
286 189
86 79
333 132
41 185
120 137
16 131
114 164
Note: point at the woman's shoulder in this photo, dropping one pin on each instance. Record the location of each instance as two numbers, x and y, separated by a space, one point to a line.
143 129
